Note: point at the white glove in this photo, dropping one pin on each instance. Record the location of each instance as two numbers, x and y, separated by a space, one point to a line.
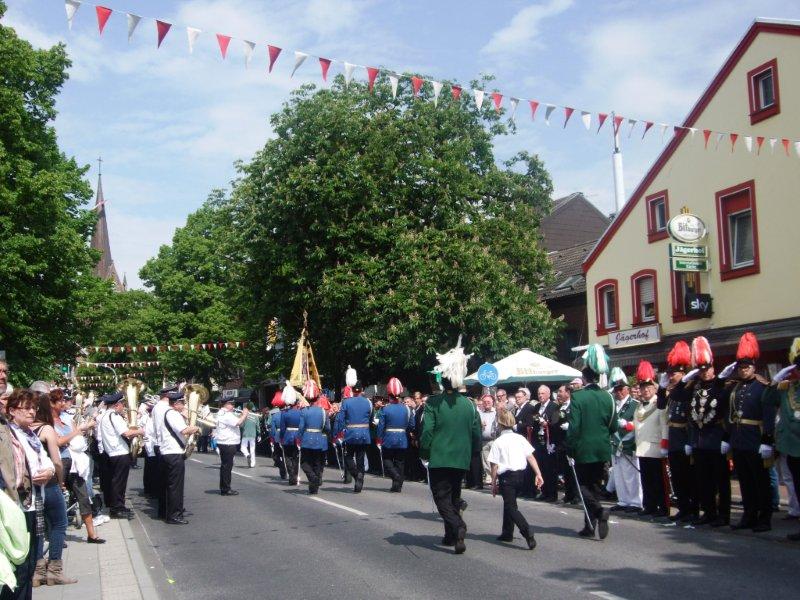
726 372
765 451
724 448
425 463
621 423
663 381
664 452
783 373
551 448
690 375
687 449
565 426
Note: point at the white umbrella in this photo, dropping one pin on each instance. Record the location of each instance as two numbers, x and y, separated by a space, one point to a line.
528 366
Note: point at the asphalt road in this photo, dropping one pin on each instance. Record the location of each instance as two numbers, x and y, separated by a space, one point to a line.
275 541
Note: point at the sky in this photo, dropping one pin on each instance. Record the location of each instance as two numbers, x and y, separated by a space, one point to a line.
170 125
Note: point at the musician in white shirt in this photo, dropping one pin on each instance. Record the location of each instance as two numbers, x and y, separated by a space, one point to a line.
228 437
173 443
116 435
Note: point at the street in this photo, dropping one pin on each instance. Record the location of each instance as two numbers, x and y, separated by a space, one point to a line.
276 541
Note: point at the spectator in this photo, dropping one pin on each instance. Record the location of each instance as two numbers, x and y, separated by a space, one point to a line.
488 415
559 436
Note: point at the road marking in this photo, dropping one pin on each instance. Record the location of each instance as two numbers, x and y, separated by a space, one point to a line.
607 596
235 472
342 506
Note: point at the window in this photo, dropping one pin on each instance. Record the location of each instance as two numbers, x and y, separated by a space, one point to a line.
762 87
657 216
683 283
607 306
645 300
737 228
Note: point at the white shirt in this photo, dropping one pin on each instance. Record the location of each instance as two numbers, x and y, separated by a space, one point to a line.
98 414
228 431
178 424
149 439
157 415
112 426
510 452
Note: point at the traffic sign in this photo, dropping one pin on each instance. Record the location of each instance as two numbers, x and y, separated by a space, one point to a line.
488 375
688 251
689 264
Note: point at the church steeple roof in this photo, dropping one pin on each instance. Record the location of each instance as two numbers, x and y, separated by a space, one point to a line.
100 239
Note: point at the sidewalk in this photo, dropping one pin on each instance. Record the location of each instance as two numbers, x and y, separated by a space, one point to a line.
115 570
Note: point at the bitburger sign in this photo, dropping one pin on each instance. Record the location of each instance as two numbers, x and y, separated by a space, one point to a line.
687 228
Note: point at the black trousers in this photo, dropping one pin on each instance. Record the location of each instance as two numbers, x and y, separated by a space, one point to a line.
226 454
654 496
202 443
475 473
174 473
446 489
511 484
563 469
548 465
590 480
313 464
414 469
684 483
755 486
24 571
150 475
118 469
713 482
277 460
394 463
354 458
793 462
101 470
290 456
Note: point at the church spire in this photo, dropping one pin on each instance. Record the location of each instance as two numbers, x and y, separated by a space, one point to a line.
100 240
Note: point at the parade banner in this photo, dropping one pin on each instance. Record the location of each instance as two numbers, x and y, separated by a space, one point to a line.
164 347
138 363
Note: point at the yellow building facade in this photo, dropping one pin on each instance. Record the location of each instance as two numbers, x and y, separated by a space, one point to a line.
749 201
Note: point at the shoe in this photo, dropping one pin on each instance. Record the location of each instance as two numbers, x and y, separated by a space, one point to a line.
660 514
586 532
95 540
632 509
793 537
462 506
177 521
448 542
744 523
312 490
229 493
645 513
550 499
531 542
100 519
677 516
55 574
704 520
460 547
618 508
505 538
121 515
602 525
688 518
40 573
721 521
359 483
762 527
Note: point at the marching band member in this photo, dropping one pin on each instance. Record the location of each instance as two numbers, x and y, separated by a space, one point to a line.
275 416
116 436
650 425
290 425
395 422
312 437
150 474
157 416
173 443
228 437
352 428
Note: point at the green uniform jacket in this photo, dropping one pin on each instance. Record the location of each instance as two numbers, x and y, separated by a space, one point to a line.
451 431
787 432
592 420
620 436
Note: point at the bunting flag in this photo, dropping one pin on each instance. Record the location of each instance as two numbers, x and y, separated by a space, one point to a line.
249 48
734 137
135 348
71 7
664 128
534 105
514 103
138 363
102 17
797 148
547 112
586 117
759 143
324 65
191 34
748 143
416 85
456 92
785 143
772 142
348 72
299 59
617 123
162 27
133 23
647 126
707 134
393 80
223 41
719 139
497 98
372 73
567 114
274 52
437 89
631 125
478 98
601 118
692 130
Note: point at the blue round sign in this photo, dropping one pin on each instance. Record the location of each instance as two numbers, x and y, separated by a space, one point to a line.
487 374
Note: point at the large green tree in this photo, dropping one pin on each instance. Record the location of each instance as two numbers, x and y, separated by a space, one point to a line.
47 290
391 223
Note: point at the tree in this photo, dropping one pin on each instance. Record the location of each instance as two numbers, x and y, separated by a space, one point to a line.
48 290
389 221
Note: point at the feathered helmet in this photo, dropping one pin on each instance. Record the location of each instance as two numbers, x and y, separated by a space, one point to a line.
453 365
794 352
289 395
680 357
394 387
702 358
596 359
645 373
310 389
277 400
347 392
617 377
324 403
350 376
748 352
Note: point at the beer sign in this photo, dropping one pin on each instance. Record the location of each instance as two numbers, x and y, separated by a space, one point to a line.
687 228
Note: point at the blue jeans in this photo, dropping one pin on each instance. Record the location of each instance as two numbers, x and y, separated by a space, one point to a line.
55 514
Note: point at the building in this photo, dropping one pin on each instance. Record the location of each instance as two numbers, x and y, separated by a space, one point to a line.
104 268
569 232
746 195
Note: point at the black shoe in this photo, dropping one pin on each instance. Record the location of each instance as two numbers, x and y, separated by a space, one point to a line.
660 514
602 524
505 538
446 541
531 542
677 516
645 513
762 527
586 532
95 540
704 520
460 547
177 521
744 523
721 521
688 518
229 493
793 537
462 506
359 483
121 515
617 508
550 499
632 509
312 490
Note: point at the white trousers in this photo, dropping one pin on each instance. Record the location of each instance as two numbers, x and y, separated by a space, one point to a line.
624 470
248 448
785 477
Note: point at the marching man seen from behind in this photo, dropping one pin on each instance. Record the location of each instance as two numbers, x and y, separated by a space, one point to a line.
173 444
352 429
228 439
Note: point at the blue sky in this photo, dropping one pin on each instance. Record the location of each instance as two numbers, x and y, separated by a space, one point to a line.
170 124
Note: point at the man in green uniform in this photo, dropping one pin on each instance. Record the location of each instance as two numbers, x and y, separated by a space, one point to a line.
592 421
451 433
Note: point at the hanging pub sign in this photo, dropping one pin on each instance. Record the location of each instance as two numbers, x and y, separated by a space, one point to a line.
687 228
698 305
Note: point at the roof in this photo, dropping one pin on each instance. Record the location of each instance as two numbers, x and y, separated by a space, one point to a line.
569 279
779 26
100 241
572 220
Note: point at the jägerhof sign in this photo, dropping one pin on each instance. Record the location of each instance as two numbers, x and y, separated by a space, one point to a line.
649 334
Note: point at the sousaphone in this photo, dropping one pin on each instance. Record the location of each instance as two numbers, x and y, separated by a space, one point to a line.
132 388
196 396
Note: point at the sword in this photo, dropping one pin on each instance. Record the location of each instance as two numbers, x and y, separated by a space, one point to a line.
299 459
571 462
430 487
380 451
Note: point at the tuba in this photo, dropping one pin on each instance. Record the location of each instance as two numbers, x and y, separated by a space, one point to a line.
78 417
196 396
132 388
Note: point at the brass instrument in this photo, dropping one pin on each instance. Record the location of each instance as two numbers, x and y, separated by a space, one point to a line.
196 396
78 418
132 388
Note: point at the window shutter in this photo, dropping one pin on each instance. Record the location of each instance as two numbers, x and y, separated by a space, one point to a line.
646 295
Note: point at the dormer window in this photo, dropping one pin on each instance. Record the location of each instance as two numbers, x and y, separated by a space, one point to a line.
762 86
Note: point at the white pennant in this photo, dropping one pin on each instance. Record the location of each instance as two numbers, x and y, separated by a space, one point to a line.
192 33
548 111
437 89
348 72
299 59
664 128
772 142
693 130
514 102
72 7
748 143
632 123
394 79
478 98
133 21
797 148
719 139
586 117
248 52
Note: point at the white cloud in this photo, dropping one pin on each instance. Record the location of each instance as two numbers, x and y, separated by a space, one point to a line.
522 33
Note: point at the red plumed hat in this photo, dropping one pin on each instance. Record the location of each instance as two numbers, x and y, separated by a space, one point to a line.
645 373
748 351
324 403
680 356
277 400
701 353
310 389
347 392
394 387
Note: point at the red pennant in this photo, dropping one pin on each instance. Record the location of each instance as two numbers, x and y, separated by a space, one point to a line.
759 143
785 143
534 105
102 17
617 122
734 137
163 30
647 126
324 64
456 92
372 73
274 51
223 41
707 134
497 98
567 114
677 129
601 117
416 84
